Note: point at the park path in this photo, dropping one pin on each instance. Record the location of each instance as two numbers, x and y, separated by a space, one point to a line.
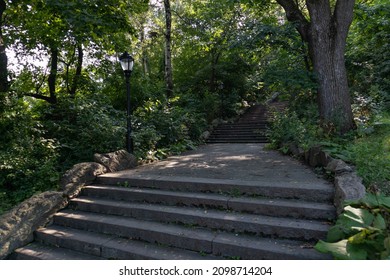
223 200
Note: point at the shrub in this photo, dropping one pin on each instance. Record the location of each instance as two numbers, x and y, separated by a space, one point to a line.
28 159
84 125
362 231
287 127
162 129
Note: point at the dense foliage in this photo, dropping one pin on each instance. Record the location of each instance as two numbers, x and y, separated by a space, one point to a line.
368 147
65 96
361 231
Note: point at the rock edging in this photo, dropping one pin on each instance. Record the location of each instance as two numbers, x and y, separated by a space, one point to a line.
18 225
348 185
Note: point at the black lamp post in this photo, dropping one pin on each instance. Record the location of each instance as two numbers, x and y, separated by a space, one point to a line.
127 63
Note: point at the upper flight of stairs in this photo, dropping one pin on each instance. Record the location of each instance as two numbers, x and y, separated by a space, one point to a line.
187 218
249 128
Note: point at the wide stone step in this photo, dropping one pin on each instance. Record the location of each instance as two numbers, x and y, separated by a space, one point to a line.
262 125
238 137
213 219
38 251
264 206
249 133
195 239
111 246
317 192
249 128
236 141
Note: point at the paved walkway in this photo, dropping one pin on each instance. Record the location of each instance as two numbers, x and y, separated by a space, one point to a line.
243 162
222 200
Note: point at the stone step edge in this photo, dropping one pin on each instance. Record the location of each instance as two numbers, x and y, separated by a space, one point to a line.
212 219
109 246
215 243
37 251
290 190
266 206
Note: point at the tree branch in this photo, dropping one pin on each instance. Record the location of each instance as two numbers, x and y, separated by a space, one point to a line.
295 15
40 96
76 77
343 16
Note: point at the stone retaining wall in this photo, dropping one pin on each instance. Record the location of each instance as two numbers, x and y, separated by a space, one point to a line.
348 185
18 225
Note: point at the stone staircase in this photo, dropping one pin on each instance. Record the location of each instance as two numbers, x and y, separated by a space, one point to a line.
249 128
168 217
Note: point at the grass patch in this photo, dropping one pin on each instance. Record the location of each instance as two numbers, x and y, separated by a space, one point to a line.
367 148
371 156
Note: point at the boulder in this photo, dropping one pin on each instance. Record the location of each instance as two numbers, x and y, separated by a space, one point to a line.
117 161
337 166
17 225
348 186
205 135
295 150
316 157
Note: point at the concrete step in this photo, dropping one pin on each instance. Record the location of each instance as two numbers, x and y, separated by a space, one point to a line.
111 246
208 218
249 128
319 192
238 140
248 134
263 206
243 133
194 239
37 251
235 141
238 137
255 125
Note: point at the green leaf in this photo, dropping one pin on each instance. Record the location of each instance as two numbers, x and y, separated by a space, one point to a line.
365 235
379 222
342 250
372 201
357 217
335 233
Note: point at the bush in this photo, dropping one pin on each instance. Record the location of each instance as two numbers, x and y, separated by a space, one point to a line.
84 125
362 231
162 129
28 159
287 127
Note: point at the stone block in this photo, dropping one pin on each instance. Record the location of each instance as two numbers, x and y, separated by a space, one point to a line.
337 166
79 175
314 157
348 186
117 161
17 225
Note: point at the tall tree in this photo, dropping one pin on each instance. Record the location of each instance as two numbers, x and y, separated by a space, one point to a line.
3 55
326 32
63 31
168 48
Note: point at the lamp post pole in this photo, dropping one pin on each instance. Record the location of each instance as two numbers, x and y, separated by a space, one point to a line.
129 139
127 63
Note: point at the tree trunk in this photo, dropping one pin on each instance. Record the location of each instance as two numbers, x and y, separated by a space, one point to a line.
168 52
145 59
326 34
53 75
3 55
215 55
79 67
